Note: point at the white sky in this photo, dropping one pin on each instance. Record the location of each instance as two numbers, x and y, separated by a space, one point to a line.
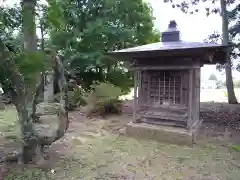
194 27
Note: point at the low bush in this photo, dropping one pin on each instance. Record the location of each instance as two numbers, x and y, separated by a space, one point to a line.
103 99
75 98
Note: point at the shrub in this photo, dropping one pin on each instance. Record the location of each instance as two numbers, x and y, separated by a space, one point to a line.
75 98
103 99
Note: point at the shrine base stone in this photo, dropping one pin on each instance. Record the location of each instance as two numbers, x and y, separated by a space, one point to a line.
165 134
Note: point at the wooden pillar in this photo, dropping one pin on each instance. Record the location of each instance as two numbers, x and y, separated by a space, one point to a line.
181 90
148 88
194 97
139 88
143 88
198 89
135 97
185 87
190 98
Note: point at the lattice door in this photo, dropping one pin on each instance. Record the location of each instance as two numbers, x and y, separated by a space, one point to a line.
165 86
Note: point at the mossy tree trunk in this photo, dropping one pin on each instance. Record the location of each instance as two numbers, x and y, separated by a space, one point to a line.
31 141
19 100
30 45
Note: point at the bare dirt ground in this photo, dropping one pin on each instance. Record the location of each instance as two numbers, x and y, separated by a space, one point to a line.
93 149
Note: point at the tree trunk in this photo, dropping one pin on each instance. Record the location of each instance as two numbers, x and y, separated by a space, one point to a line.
228 67
30 45
32 142
21 104
29 25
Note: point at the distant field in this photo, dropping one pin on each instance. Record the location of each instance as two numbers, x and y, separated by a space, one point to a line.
216 95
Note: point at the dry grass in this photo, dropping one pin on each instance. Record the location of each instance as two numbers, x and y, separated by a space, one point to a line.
93 150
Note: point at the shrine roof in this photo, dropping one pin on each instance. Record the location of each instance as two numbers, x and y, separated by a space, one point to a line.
168 46
171 45
180 48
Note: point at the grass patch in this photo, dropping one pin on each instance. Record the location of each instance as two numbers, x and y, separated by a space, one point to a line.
110 155
90 151
236 148
29 174
9 126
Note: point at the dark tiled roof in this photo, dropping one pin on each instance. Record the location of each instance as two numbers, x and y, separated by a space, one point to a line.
174 49
174 45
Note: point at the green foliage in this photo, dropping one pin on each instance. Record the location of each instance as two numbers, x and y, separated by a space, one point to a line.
10 20
31 64
83 30
225 94
193 6
103 99
75 98
236 148
234 30
120 78
234 17
106 92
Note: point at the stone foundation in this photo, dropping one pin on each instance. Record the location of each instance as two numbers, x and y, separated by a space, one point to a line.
173 135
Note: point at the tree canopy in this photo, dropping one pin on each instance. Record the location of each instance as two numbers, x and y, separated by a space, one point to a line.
74 35
81 31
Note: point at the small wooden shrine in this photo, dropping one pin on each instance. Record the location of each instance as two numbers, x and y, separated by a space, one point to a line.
167 78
